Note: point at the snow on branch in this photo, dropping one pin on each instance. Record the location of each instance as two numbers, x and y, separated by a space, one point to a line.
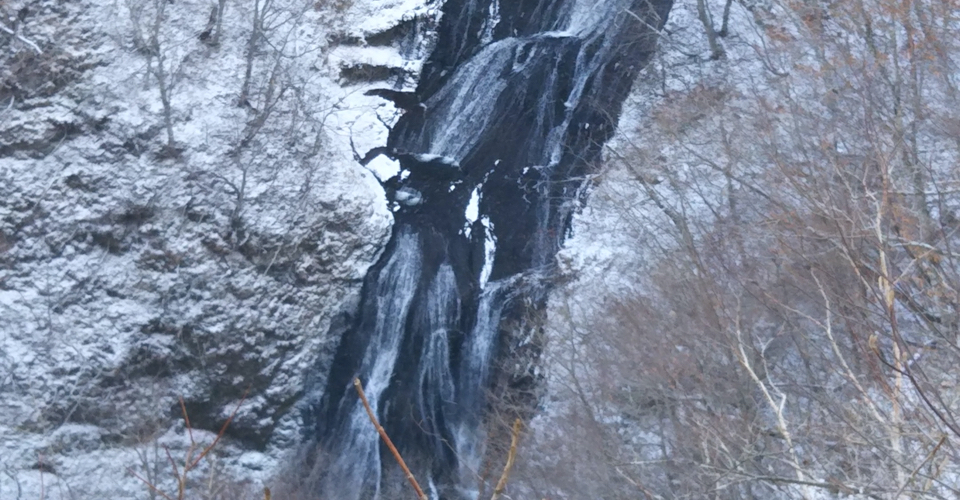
20 37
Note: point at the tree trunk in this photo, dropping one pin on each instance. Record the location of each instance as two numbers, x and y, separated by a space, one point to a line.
716 51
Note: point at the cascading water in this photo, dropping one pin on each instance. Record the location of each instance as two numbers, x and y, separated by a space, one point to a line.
512 109
475 367
359 469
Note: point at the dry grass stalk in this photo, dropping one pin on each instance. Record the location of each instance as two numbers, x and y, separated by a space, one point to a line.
386 439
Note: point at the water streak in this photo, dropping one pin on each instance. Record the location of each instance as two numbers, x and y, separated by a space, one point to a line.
358 466
478 351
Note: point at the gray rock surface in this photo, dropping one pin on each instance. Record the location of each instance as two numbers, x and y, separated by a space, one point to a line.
135 271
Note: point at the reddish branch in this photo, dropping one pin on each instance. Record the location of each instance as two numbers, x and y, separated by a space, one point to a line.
387 441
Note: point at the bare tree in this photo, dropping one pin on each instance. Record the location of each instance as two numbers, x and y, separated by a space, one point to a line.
256 33
221 7
150 41
793 329
273 92
703 12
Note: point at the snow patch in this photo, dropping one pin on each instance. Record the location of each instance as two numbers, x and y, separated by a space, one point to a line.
431 158
489 251
408 196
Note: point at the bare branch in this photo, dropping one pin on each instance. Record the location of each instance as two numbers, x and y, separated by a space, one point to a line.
386 439
20 37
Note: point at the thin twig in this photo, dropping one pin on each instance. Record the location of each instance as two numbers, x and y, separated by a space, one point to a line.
20 37
40 462
913 474
176 472
387 441
189 463
511 456
186 418
149 484
222 431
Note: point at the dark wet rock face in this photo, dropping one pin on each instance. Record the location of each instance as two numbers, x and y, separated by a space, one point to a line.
514 106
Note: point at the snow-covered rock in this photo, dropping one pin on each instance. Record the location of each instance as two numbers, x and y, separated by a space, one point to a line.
135 271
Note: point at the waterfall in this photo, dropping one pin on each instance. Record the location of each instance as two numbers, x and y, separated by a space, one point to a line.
359 465
474 373
517 102
436 387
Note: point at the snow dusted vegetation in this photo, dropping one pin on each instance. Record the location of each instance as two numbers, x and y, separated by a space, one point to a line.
758 298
